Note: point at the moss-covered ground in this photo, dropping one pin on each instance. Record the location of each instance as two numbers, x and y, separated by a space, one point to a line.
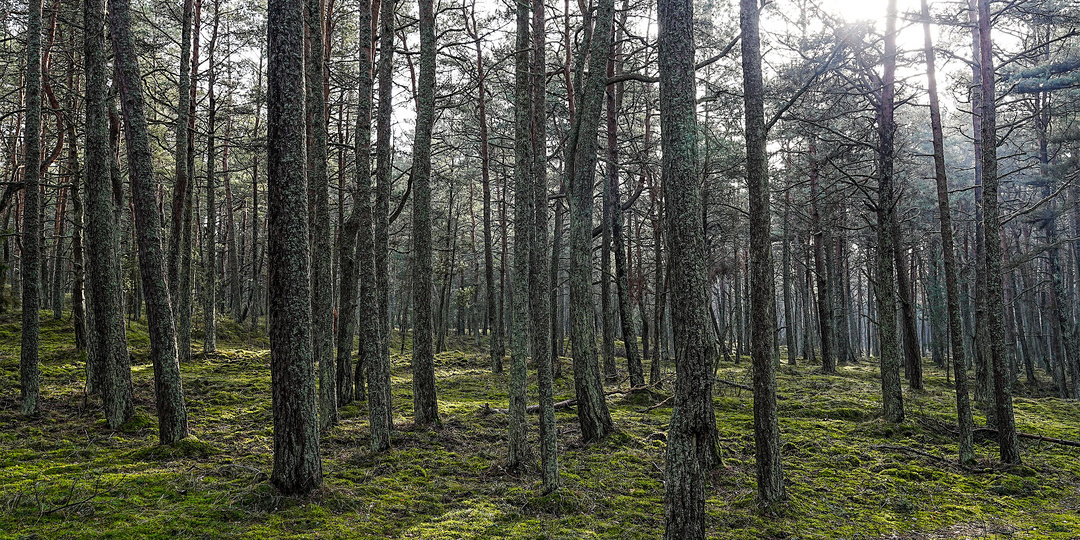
849 475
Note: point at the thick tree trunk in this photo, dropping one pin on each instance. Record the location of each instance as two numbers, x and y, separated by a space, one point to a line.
172 413
297 465
692 439
109 339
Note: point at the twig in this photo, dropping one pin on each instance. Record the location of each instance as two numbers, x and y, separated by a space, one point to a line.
657 406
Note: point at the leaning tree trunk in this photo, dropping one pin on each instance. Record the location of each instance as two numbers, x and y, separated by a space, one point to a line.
169 392
593 412
297 465
956 328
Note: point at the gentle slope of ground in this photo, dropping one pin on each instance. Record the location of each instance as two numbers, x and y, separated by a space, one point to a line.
849 474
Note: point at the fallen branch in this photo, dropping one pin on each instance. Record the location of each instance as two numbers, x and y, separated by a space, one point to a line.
734 384
487 409
1029 436
657 406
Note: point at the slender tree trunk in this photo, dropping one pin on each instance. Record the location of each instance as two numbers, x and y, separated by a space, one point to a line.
181 172
423 362
380 415
322 302
29 371
539 285
356 253
821 270
169 392
297 465
892 395
1006 424
523 231
383 170
948 251
210 238
593 413
770 470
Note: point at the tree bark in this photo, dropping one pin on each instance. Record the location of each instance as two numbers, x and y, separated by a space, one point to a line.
172 413
692 438
770 470
423 362
29 370
1006 423
297 465
892 395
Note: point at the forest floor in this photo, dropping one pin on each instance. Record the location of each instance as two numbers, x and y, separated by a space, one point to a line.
849 475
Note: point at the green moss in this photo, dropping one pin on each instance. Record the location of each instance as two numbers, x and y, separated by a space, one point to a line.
848 474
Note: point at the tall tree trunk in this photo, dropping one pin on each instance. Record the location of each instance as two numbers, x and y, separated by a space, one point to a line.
102 232
523 231
995 310
692 439
29 371
770 470
948 252
180 164
380 415
185 274
383 169
593 412
210 238
297 465
322 288
423 362
539 285
168 389
905 289
821 269
622 282
892 395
